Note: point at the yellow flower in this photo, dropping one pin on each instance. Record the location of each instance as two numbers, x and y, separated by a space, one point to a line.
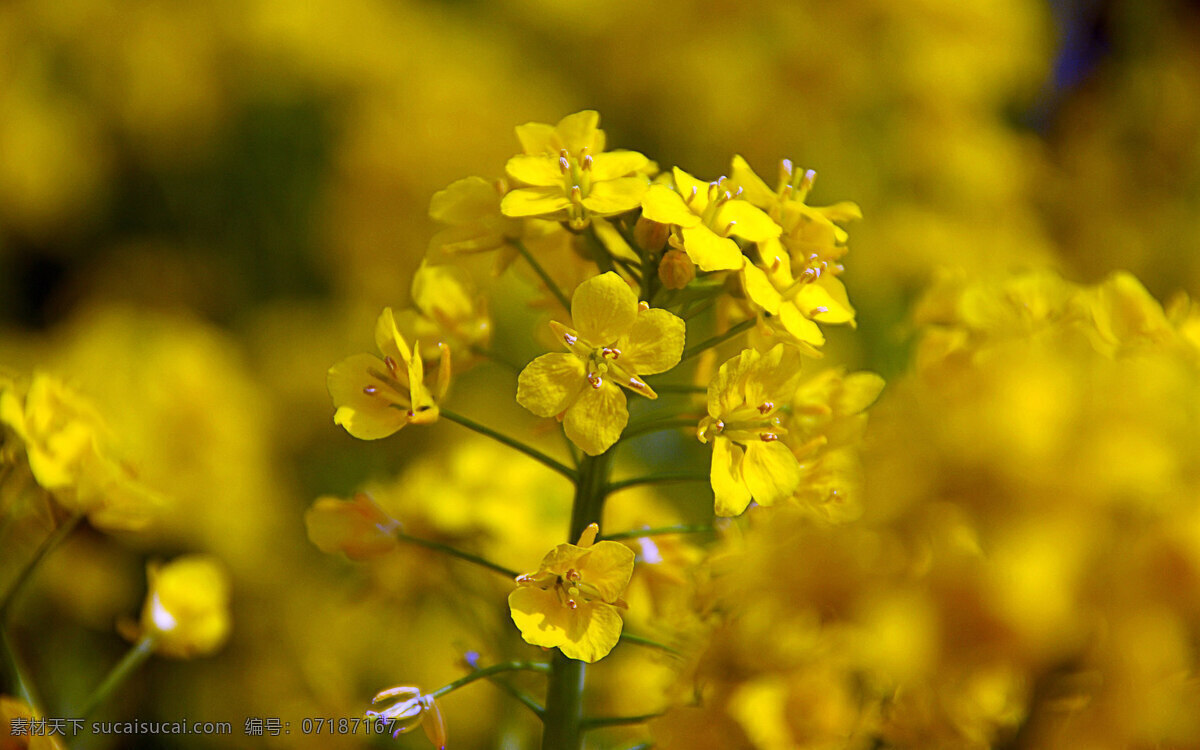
705 215
374 397
358 527
571 602
569 175
16 723
471 208
447 310
744 425
409 709
187 608
67 445
616 341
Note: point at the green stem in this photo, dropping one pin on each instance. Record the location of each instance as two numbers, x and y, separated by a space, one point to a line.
678 388
617 721
51 541
640 640
541 272
657 425
20 684
600 253
454 552
655 479
479 674
533 453
660 531
720 338
129 663
564 694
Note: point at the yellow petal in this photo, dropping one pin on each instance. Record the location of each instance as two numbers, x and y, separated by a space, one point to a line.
731 494
726 389
859 390
551 383
540 616
443 292
748 222
771 472
617 196
613 164
653 344
608 566
759 288
711 252
753 188
469 238
465 200
579 131
596 629
603 308
365 416
795 323
534 201
664 205
596 419
388 338
825 300
538 138
542 170
694 192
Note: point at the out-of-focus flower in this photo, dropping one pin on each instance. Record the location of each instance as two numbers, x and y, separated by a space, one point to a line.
570 176
744 425
705 215
374 397
615 342
68 447
357 527
17 731
571 602
409 709
187 607
471 207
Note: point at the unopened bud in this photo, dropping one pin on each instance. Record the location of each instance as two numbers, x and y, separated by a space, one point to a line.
676 269
650 235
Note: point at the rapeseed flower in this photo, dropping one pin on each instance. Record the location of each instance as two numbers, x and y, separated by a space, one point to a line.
568 175
744 425
615 342
357 527
376 398
570 602
704 216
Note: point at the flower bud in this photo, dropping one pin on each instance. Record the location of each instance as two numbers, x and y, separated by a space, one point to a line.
187 607
651 235
676 269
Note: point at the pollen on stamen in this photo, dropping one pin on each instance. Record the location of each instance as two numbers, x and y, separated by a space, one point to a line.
391 365
564 164
817 311
586 161
692 196
570 339
576 194
729 228
370 390
765 407
768 437
595 380
610 352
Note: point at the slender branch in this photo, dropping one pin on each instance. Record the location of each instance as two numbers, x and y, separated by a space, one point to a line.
454 552
678 388
494 357
660 531
655 479
533 453
657 425
51 541
644 641
129 663
541 272
596 722
21 684
479 674
521 696
720 338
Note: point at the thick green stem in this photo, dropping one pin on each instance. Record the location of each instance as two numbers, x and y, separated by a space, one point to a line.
129 663
564 695
533 453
